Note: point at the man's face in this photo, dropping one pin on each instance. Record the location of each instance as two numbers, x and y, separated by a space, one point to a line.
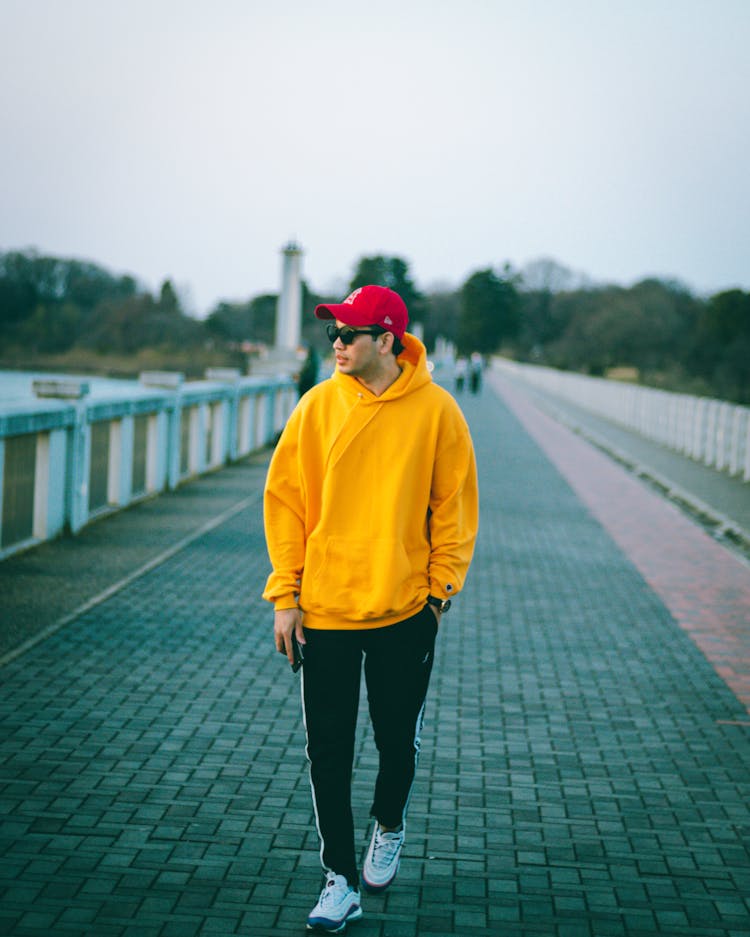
360 359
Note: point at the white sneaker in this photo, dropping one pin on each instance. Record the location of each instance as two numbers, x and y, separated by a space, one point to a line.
337 906
382 860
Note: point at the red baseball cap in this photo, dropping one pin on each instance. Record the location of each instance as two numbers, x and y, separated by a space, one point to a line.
369 305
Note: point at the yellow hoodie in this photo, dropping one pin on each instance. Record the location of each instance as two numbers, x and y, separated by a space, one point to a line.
371 502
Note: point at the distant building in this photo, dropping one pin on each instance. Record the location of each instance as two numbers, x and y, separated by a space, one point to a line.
289 306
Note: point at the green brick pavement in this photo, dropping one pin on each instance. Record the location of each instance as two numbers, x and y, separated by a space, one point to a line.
576 779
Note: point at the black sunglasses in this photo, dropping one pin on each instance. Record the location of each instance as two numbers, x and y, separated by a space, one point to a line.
347 334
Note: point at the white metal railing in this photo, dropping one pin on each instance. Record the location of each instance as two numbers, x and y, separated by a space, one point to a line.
66 458
713 432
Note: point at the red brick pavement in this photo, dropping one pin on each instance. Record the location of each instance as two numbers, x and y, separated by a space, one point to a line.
705 586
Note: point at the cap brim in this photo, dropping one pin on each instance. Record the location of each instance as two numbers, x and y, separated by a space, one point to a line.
344 312
324 312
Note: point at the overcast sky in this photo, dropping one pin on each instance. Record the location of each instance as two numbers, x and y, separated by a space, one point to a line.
191 140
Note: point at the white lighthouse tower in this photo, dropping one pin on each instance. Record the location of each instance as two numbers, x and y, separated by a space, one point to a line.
285 354
289 306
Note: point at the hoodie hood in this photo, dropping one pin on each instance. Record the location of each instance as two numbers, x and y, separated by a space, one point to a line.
414 374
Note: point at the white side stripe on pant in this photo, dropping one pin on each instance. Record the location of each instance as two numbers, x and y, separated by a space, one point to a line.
309 773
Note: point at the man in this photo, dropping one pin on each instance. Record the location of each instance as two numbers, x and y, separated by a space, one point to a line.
371 515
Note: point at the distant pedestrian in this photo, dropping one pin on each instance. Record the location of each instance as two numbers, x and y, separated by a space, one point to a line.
476 367
371 511
461 368
308 375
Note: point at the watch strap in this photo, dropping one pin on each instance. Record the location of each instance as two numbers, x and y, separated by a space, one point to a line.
442 605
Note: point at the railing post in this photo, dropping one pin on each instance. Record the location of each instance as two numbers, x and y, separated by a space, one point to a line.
710 453
231 425
2 483
699 430
244 432
270 407
172 413
79 455
125 468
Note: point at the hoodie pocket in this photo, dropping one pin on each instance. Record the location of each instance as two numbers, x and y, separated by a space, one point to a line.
358 579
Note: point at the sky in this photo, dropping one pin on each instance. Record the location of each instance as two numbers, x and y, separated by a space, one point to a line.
192 140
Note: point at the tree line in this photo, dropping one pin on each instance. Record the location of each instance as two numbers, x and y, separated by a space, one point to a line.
655 331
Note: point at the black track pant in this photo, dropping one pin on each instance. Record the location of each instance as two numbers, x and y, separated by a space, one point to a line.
398 663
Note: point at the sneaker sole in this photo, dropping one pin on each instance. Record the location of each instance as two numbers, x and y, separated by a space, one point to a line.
332 928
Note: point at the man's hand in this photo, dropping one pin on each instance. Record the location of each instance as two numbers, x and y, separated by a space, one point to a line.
286 622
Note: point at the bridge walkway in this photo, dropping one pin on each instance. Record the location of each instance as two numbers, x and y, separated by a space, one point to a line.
586 758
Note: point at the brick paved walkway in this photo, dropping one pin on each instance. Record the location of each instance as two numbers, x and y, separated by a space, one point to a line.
706 588
584 773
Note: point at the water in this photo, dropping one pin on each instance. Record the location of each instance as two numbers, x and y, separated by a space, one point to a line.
16 386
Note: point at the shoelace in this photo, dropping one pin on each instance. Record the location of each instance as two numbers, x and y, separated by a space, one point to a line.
329 893
385 849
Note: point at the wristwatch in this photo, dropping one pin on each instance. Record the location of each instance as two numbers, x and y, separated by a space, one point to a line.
442 605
